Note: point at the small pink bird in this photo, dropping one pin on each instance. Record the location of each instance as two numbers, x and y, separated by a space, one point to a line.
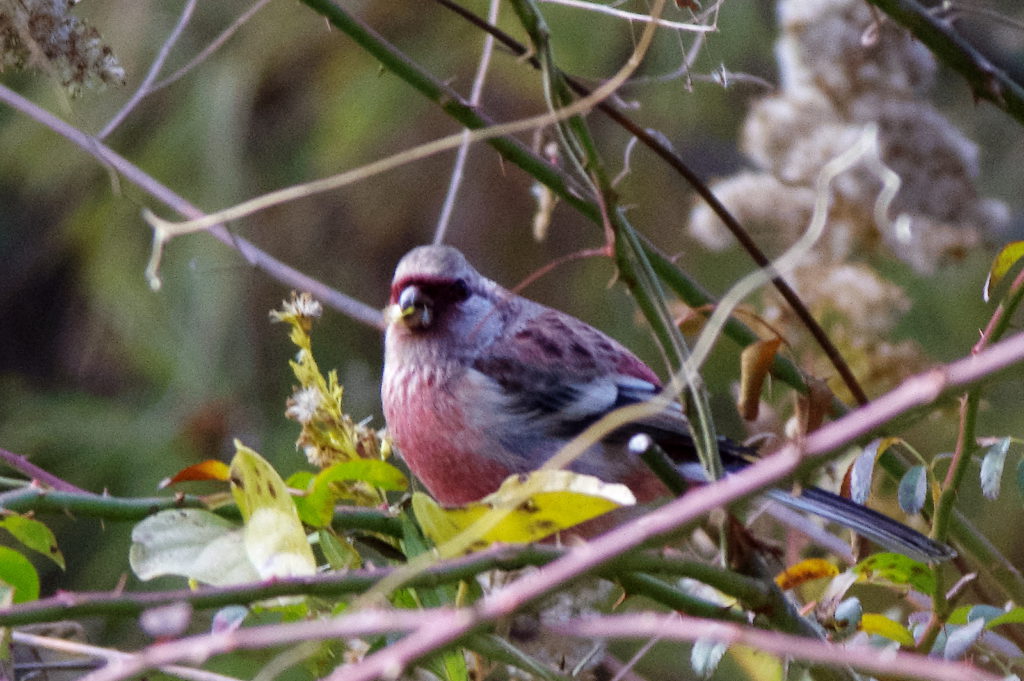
480 384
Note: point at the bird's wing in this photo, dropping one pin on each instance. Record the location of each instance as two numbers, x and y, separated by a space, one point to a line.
561 375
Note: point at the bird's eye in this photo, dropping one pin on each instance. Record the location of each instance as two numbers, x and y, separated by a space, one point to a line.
460 290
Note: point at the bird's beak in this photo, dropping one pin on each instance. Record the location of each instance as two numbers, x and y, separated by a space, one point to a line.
414 309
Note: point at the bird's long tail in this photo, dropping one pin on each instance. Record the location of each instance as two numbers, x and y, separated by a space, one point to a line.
881 529
890 534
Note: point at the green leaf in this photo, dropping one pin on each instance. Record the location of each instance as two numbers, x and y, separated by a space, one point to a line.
1001 265
913 489
33 534
340 553
300 479
992 468
17 572
191 543
1015 616
415 544
893 568
317 507
959 615
449 665
274 539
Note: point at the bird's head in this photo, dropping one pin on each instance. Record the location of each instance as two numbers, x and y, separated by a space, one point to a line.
436 293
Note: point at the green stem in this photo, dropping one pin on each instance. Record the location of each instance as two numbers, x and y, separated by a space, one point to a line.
136 508
666 594
636 272
958 466
751 593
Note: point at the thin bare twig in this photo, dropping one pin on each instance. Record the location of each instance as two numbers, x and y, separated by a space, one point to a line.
214 45
154 70
632 16
459 167
710 17
150 84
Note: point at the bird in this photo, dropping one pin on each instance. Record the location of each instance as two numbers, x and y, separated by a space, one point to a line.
480 383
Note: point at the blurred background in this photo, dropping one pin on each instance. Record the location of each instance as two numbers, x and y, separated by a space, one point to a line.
114 386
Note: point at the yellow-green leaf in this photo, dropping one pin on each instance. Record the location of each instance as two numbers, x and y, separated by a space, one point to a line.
313 512
378 473
274 538
1003 263
959 615
805 571
873 623
316 506
893 568
524 509
33 534
757 664
449 665
17 572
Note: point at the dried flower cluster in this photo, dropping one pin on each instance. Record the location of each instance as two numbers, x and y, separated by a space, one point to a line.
44 34
841 72
328 434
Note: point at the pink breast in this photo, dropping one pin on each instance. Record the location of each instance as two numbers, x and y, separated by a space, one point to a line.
446 455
